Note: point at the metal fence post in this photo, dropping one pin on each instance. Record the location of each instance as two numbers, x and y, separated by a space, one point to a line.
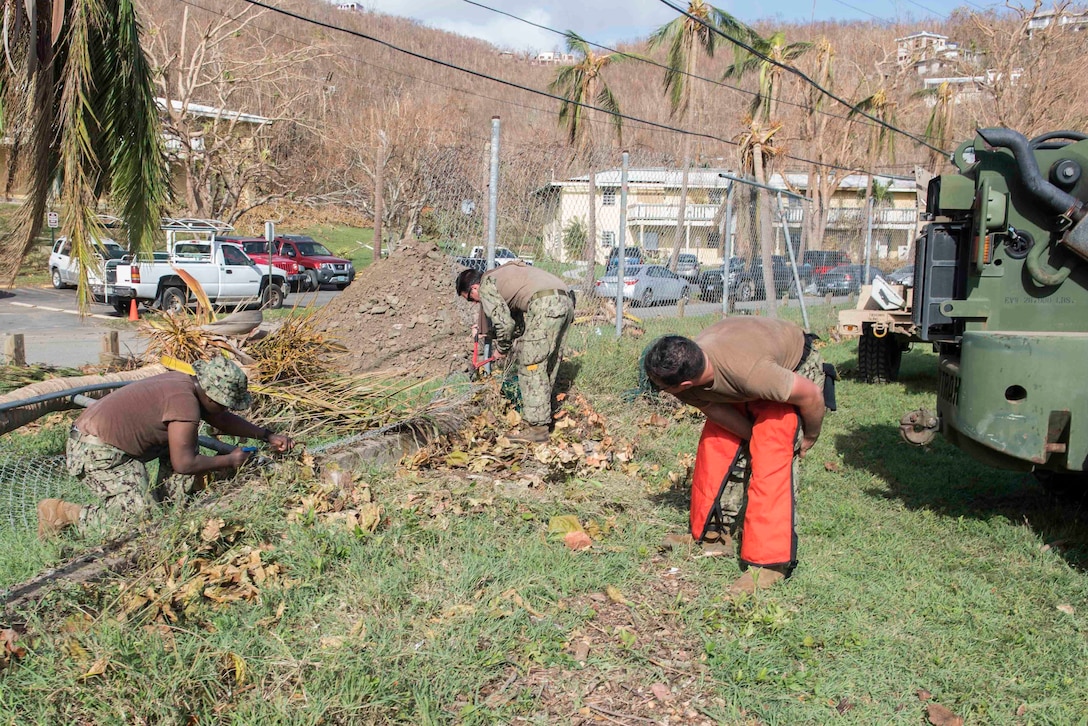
868 238
793 260
728 247
621 259
493 194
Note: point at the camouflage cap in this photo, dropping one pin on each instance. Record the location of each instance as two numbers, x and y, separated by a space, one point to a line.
224 382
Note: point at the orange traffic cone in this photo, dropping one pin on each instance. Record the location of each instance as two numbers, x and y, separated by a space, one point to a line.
133 313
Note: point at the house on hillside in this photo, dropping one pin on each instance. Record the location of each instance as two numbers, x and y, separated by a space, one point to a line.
653 199
551 57
1066 19
351 7
967 88
927 53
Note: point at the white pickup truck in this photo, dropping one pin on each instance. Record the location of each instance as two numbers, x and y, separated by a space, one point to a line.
502 255
226 273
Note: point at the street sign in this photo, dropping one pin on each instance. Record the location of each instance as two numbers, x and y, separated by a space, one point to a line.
52 220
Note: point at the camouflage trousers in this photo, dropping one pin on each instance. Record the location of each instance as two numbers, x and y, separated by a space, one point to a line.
120 480
546 322
733 498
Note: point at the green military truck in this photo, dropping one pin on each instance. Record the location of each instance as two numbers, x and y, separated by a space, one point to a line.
1001 291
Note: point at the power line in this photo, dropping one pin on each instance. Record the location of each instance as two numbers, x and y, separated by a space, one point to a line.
651 61
512 84
800 74
458 89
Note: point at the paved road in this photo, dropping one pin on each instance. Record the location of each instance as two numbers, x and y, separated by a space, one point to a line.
696 307
54 333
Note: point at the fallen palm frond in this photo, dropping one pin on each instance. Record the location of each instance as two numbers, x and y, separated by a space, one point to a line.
346 404
180 336
295 352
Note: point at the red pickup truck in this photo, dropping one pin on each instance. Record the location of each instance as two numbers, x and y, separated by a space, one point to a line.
256 248
317 263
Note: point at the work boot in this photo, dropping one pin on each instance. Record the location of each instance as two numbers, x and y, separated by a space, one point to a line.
755 578
712 545
532 435
56 514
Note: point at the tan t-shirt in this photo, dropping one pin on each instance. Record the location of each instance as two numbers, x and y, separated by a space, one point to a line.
134 418
753 360
517 282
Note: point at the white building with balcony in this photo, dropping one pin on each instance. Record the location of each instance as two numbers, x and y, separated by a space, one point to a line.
653 205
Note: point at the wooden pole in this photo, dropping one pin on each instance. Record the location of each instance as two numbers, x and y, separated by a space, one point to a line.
15 350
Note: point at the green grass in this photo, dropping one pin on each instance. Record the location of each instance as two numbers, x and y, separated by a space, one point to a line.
920 570
351 243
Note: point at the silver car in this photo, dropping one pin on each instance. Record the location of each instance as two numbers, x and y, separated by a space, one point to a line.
646 285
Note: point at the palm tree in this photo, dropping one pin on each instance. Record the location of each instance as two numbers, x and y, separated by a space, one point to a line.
582 87
939 126
881 139
77 96
686 38
757 143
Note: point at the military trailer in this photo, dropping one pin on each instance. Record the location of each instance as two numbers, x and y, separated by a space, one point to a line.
1001 291
884 331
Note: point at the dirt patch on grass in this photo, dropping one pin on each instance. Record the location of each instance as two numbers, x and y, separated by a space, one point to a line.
402 313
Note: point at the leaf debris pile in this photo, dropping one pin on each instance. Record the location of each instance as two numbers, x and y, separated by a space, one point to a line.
579 447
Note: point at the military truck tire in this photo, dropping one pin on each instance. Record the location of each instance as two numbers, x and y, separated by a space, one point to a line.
878 358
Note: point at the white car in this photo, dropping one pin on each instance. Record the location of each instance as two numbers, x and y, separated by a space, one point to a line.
64 269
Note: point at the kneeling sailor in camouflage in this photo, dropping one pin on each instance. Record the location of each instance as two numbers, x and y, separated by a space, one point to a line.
154 418
517 297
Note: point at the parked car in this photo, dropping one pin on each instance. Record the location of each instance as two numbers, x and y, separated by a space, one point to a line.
750 284
64 269
844 279
687 266
502 255
631 255
822 261
646 285
712 282
902 276
317 263
257 250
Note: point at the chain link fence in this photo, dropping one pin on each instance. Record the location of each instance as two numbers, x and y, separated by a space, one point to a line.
694 236
27 479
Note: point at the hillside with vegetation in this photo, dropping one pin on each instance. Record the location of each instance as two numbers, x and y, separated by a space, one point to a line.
349 92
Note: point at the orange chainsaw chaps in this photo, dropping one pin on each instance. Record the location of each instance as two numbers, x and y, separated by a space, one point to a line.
716 455
770 535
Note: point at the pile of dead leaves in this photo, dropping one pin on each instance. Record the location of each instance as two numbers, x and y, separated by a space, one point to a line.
181 588
340 499
580 446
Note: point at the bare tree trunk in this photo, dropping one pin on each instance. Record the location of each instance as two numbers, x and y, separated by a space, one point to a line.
766 232
678 238
16 417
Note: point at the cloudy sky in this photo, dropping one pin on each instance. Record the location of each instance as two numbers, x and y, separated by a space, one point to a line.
609 21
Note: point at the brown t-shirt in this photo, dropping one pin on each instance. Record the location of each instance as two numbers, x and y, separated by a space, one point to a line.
753 359
134 418
517 282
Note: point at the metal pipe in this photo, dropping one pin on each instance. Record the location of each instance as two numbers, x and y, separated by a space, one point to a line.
1037 186
793 261
622 249
493 195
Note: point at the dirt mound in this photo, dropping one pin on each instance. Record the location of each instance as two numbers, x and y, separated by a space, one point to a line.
402 313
